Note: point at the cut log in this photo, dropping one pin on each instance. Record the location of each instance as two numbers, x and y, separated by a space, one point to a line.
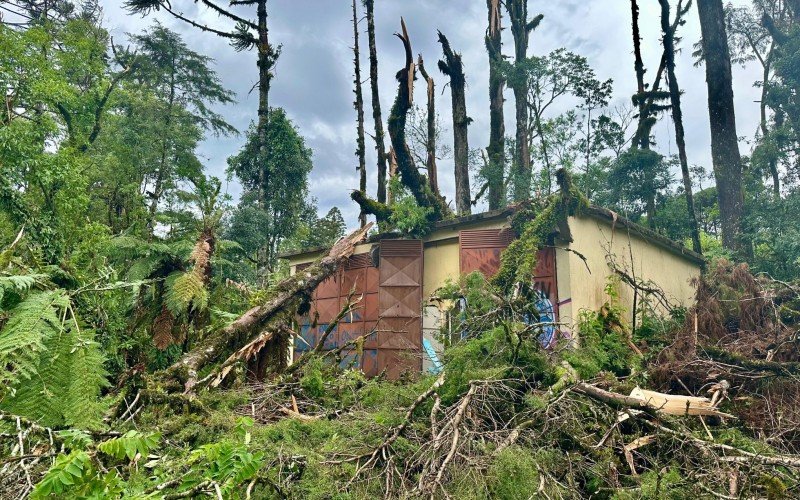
290 292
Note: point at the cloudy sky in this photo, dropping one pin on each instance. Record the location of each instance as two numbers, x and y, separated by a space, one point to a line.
314 73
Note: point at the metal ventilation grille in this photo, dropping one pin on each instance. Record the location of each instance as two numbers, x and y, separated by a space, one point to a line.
485 238
401 248
358 261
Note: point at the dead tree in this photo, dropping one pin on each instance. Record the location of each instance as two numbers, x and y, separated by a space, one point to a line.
290 294
380 147
668 40
521 28
359 105
495 167
722 121
430 137
452 66
416 183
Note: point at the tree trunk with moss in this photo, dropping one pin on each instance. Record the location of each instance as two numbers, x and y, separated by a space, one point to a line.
359 106
722 120
452 66
677 117
380 147
416 183
494 172
521 29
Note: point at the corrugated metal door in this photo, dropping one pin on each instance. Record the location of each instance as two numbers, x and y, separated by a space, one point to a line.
330 297
480 250
396 345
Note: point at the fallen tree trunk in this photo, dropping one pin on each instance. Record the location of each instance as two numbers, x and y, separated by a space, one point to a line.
252 323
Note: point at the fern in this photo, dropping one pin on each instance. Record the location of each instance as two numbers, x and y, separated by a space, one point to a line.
185 291
66 384
19 283
31 324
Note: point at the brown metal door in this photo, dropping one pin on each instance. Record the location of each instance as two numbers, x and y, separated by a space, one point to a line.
330 297
396 345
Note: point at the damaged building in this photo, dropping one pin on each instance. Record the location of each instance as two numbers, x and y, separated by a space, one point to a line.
398 278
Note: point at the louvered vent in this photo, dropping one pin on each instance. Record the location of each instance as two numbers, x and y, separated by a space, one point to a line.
401 248
485 238
358 261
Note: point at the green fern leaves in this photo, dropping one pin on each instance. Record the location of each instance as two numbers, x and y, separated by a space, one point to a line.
185 292
66 383
31 324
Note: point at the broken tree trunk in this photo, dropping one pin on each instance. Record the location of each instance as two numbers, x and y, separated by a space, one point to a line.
250 325
452 66
430 137
359 105
380 147
494 172
416 183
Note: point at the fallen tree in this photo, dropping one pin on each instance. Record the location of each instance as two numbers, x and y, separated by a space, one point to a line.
289 295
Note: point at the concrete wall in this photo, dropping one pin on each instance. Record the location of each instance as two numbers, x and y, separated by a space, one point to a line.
596 239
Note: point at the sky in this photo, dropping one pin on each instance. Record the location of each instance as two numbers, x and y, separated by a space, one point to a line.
314 74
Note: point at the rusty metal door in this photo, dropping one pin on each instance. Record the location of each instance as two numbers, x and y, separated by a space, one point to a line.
480 250
330 297
396 345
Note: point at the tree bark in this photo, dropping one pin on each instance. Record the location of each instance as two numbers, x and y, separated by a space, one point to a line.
677 117
359 105
722 120
452 66
497 129
416 183
430 138
290 293
521 29
380 147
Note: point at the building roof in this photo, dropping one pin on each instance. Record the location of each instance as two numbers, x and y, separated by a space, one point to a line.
594 211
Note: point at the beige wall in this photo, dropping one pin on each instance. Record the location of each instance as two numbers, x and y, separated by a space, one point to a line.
595 240
578 287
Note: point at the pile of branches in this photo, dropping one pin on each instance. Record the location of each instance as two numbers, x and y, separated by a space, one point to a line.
742 334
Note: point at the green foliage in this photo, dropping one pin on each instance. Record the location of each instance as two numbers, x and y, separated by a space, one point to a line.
603 340
31 325
185 291
513 475
130 445
408 217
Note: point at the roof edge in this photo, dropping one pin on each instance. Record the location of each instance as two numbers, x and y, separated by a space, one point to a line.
593 211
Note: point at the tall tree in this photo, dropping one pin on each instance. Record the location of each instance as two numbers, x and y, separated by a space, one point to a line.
246 34
359 105
521 28
722 120
380 146
494 173
677 113
185 86
452 66
266 222
430 127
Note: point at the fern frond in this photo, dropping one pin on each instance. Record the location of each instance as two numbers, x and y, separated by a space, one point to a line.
65 387
185 291
31 323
